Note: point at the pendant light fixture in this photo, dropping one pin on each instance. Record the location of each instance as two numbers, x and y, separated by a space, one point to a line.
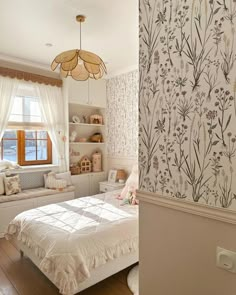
78 63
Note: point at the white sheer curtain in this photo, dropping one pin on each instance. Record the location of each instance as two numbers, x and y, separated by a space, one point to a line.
8 90
53 111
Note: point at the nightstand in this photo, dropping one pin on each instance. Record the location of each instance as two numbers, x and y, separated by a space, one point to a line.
106 186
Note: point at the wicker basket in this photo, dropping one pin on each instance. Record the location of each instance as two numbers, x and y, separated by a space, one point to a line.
75 170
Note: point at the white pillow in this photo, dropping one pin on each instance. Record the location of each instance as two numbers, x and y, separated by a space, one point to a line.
2 187
66 176
132 180
5 164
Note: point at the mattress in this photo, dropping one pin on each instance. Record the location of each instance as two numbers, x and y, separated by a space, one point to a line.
75 237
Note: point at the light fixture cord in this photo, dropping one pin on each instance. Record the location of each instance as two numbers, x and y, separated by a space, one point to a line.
80 36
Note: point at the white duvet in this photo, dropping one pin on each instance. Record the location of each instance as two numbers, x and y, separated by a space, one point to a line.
74 237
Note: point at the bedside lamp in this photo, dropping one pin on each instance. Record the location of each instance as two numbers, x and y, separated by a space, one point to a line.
121 175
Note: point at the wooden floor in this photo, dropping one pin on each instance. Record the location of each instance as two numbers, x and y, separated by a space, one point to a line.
19 276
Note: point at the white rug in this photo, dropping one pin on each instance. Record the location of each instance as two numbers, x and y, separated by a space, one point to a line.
132 280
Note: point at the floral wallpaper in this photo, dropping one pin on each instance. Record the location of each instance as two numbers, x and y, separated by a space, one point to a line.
187 86
122 115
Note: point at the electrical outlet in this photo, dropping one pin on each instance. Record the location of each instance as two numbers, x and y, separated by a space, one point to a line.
226 259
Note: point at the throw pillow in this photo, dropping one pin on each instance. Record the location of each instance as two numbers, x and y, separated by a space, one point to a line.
53 183
2 188
12 185
66 176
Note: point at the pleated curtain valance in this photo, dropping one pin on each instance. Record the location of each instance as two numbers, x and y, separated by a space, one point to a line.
21 75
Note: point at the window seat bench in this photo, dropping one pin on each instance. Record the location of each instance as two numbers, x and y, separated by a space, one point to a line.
34 193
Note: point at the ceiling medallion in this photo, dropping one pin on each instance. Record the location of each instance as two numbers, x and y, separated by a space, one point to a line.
78 63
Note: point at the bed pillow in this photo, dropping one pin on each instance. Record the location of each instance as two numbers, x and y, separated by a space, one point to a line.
12 185
2 187
53 183
66 176
132 181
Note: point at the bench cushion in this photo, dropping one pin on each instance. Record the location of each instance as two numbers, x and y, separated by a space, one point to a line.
34 193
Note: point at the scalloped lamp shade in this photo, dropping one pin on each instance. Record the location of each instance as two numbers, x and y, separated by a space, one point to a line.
78 63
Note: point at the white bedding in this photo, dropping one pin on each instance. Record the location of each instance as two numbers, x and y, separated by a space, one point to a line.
74 237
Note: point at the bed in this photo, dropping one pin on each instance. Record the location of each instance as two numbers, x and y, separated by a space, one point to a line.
80 242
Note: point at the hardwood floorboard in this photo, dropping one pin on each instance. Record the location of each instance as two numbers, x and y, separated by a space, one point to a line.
31 270
17 273
19 276
5 285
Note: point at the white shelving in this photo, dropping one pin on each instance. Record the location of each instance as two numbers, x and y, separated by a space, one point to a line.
86 124
85 99
87 183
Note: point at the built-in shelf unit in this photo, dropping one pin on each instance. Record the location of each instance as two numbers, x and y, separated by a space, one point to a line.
86 99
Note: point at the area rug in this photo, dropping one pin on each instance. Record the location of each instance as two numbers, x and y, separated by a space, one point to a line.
132 280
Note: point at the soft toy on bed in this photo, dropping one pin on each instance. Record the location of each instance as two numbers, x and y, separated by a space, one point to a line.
128 194
130 197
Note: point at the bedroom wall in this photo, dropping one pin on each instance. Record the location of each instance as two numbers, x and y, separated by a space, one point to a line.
187 142
188 100
177 253
122 120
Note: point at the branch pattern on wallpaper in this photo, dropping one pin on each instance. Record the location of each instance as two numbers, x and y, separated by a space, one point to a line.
122 115
187 134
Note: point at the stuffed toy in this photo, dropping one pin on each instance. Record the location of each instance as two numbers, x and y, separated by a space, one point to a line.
130 198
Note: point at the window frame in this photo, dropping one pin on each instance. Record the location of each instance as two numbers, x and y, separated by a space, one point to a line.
20 139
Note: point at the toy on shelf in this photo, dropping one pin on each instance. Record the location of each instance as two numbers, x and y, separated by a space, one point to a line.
85 119
82 139
73 136
96 119
75 119
85 165
96 137
74 169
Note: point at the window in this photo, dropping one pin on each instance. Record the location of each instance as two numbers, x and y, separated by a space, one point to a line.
26 141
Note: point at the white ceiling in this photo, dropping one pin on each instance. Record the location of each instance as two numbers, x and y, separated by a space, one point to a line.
110 30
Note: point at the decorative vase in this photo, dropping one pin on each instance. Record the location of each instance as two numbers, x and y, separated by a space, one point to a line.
97 162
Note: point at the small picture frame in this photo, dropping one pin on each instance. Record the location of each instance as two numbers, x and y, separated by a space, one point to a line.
112 176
